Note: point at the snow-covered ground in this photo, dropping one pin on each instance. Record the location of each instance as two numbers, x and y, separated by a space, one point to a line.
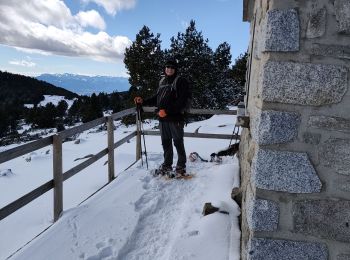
52 99
137 216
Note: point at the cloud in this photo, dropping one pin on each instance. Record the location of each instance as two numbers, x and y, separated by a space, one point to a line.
113 6
49 27
91 18
23 63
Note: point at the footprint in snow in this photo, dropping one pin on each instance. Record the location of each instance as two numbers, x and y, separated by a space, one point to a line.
103 253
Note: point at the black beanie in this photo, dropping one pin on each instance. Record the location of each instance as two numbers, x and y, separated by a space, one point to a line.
171 63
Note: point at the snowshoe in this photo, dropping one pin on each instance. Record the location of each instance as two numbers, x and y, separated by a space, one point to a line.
162 170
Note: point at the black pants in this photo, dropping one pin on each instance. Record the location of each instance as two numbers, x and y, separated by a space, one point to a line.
173 131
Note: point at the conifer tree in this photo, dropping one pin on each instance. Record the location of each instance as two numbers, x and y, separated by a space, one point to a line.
62 108
224 84
144 61
195 62
238 72
91 109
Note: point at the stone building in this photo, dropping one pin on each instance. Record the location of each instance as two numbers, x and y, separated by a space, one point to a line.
295 155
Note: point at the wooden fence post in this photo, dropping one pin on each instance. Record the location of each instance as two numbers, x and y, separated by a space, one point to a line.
138 137
110 130
57 177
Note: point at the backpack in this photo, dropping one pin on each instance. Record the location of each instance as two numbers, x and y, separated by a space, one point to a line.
187 107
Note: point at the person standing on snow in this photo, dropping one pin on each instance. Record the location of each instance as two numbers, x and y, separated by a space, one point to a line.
171 101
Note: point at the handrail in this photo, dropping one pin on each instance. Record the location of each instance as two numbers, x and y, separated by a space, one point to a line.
196 135
59 177
24 149
195 111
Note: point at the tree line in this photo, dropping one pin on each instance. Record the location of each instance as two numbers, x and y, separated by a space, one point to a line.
83 109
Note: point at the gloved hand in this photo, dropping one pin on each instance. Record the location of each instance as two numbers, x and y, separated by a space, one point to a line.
138 100
162 113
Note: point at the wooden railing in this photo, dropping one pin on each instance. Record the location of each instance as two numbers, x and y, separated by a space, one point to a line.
56 141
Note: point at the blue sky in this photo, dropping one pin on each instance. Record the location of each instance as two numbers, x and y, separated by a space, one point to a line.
89 36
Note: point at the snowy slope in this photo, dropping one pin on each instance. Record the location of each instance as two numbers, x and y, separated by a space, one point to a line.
51 99
136 216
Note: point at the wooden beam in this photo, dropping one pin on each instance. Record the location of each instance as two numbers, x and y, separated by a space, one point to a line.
199 111
78 129
24 149
57 177
125 139
123 113
24 200
83 165
197 135
110 141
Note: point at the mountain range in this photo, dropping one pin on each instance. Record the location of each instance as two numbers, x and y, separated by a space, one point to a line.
86 85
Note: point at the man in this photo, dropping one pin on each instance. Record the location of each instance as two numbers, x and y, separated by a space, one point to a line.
171 100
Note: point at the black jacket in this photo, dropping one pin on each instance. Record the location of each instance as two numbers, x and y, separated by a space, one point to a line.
173 99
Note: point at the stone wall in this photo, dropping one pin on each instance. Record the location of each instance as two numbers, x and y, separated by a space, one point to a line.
295 156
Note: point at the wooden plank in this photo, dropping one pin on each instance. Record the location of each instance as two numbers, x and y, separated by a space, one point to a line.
199 111
110 136
24 200
212 112
123 113
125 139
81 128
24 149
57 177
198 135
83 165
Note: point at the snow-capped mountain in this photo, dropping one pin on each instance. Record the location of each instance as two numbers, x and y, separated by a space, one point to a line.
86 85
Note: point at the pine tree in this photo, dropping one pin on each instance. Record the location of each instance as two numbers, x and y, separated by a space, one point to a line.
91 109
195 62
224 85
74 112
62 108
115 102
144 61
238 71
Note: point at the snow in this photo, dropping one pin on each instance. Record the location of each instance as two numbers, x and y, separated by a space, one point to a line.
137 216
51 99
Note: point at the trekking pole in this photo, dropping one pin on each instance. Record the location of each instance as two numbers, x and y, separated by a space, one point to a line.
138 126
143 136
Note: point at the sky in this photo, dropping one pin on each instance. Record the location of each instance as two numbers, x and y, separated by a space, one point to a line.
89 37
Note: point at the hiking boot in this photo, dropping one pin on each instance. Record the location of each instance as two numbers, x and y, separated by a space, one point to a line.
163 169
180 171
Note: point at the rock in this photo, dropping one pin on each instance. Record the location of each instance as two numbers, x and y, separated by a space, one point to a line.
284 171
303 83
6 172
342 14
335 154
273 127
209 209
262 215
281 31
275 249
77 141
316 26
329 219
